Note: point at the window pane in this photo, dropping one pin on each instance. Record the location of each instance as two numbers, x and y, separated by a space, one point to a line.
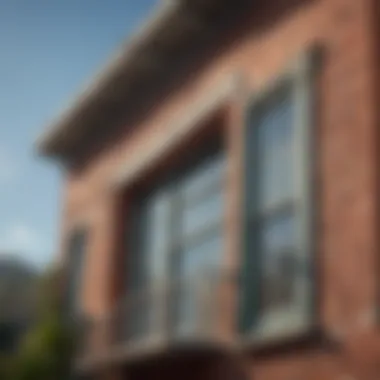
202 215
157 234
278 262
275 151
201 258
196 264
172 251
149 262
211 171
277 202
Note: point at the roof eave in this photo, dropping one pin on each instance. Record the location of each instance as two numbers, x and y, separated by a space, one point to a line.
48 143
172 25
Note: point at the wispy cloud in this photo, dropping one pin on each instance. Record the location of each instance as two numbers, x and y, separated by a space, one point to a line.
22 241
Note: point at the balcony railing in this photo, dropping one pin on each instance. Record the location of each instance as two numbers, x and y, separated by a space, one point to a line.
167 313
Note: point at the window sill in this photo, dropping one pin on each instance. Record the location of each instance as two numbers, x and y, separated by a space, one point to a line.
305 339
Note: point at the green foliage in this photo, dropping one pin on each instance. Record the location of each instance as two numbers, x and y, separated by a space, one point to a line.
45 352
5 367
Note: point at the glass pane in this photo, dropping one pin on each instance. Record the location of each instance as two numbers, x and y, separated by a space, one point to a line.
157 234
275 151
202 258
211 171
278 262
150 263
202 215
197 264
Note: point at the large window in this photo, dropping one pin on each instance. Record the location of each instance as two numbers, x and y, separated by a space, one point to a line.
200 241
179 242
277 292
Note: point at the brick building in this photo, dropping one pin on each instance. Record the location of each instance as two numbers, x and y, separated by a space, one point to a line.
221 195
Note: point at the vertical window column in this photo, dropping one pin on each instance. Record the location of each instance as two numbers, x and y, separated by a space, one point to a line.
277 293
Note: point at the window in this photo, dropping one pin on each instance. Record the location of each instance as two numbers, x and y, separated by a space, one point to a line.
148 267
200 240
76 252
277 291
179 240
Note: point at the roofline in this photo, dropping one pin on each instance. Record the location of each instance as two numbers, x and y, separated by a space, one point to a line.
124 54
173 30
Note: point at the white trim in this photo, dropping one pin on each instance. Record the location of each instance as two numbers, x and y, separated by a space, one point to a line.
277 325
187 122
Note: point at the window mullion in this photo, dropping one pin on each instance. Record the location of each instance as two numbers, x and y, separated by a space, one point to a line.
171 295
302 161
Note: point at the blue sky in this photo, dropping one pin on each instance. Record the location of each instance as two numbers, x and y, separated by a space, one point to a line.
49 49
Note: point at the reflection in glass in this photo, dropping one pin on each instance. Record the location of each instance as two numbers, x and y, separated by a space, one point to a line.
203 214
204 257
279 260
275 152
210 172
157 235
197 264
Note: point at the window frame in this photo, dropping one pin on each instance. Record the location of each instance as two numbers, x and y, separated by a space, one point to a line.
301 77
73 301
172 185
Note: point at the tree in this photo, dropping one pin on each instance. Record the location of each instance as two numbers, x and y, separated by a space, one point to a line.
46 351
18 291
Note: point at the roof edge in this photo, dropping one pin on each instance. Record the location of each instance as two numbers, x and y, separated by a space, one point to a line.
55 128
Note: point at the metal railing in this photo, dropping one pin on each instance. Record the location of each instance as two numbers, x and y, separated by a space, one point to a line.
178 311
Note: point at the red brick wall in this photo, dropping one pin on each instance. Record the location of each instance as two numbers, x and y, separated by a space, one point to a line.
346 169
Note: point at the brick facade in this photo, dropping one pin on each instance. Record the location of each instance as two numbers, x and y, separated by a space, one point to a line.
346 183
